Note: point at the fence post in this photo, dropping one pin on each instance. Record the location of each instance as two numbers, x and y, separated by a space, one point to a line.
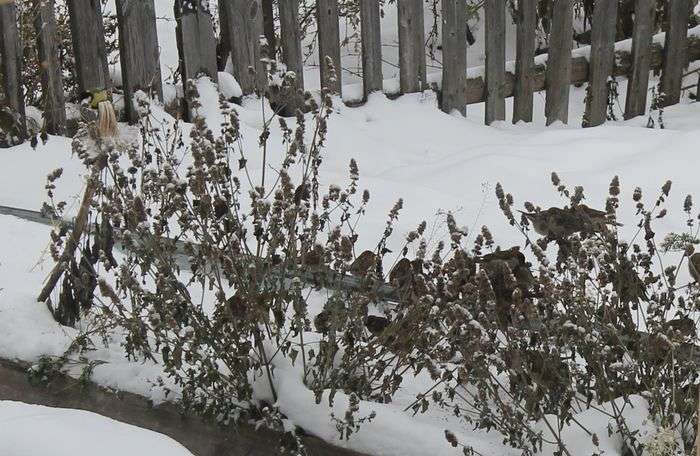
524 61
412 72
638 82
329 44
11 65
454 56
51 77
241 25
371 47
88 35
291 39
675 44
601 61
138 51
196 42
558 75
495 60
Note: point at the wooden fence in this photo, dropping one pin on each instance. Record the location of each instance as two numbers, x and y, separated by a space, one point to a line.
241 25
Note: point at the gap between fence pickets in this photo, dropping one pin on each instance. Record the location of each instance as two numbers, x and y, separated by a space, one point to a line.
353 93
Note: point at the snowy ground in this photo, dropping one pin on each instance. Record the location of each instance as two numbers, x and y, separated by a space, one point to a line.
35 430
405 148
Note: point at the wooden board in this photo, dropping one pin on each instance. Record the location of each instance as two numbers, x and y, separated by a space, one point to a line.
53 99
241 26
601 61
638 82
88 34
371 47
138 52
11 65
329 44
675 59
196 42
559 62
526 23
495 25
454 57
412 70
291 39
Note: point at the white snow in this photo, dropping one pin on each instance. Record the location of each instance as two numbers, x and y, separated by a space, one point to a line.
35 430
406 148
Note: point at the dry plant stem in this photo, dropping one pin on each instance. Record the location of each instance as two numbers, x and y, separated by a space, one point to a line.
74 239
697 431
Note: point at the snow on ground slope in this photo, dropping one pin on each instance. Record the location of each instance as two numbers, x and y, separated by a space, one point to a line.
405 148
35 430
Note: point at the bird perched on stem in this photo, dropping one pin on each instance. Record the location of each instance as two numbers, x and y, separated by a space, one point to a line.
365 263
558 223
509 274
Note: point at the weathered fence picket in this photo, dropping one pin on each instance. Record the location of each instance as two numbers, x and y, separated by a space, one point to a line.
454 57
372 78
495 25
638 82
11 65
675 51
412 70
559 62
53 99
88 35
196 45
526 23
241 25
602 60
196 42
291 39
138 49
329 44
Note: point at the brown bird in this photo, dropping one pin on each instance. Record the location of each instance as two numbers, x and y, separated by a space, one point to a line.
694 266
559 223
627 284
365 263
401 275
322 322
376 324
683 326
502 266
516 262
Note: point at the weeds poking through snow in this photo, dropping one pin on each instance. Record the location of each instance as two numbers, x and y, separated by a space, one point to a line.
218 266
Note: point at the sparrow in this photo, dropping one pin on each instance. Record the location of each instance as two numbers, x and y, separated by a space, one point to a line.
363 264
376 324
694 266
684 326
558 223
516 262
401 274
322 322
501 267
627 284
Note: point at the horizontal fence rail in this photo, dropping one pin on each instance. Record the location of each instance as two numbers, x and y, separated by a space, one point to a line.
242 25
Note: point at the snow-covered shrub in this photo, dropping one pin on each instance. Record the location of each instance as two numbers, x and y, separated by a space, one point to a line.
219 258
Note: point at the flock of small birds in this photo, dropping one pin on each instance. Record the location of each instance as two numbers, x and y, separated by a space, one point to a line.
502 266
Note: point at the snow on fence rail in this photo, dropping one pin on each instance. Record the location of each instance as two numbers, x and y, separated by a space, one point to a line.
241 24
